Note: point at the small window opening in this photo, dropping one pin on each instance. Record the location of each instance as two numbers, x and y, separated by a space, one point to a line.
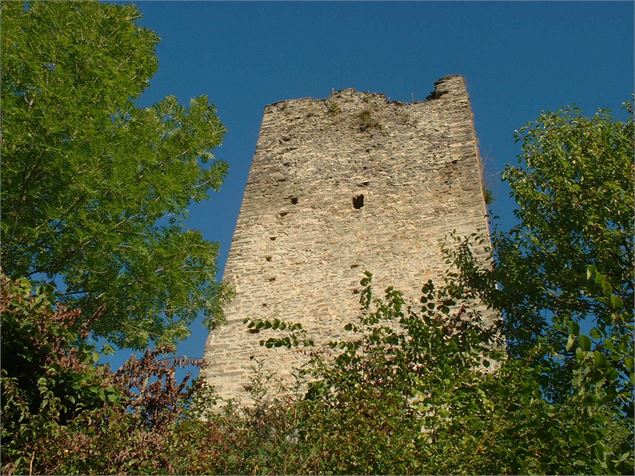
294 200
358 201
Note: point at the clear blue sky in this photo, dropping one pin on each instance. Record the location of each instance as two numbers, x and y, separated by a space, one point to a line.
518 59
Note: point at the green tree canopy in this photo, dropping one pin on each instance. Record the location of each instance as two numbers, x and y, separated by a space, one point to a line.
94 188
563 275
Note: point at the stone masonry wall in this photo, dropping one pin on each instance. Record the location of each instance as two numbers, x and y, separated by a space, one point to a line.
305 234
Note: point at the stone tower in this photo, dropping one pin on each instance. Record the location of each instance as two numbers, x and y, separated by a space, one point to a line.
338 186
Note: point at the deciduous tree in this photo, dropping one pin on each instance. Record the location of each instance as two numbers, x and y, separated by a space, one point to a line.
95 188
563 275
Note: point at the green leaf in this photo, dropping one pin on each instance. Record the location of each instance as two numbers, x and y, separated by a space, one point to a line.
585 342
570 342
599 359
580 354
616 302
598 451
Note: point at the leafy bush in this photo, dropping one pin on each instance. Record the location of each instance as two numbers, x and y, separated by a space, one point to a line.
64 413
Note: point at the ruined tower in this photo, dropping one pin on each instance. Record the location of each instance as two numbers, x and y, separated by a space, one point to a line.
337 186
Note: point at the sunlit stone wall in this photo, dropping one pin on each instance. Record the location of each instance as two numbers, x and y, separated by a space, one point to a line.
337 186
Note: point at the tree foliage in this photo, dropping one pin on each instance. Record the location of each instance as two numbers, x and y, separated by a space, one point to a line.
94 188
429 390
409 392
63 413
563 275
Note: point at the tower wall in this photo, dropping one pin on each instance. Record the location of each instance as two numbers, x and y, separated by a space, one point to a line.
305 235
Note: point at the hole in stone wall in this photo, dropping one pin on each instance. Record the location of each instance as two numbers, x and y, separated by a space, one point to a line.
353 266
271 280
283 214
273 238
268 258
294 200
355 291
358 201
364 184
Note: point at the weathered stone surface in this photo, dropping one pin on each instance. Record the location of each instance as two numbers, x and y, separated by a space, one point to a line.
338 186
